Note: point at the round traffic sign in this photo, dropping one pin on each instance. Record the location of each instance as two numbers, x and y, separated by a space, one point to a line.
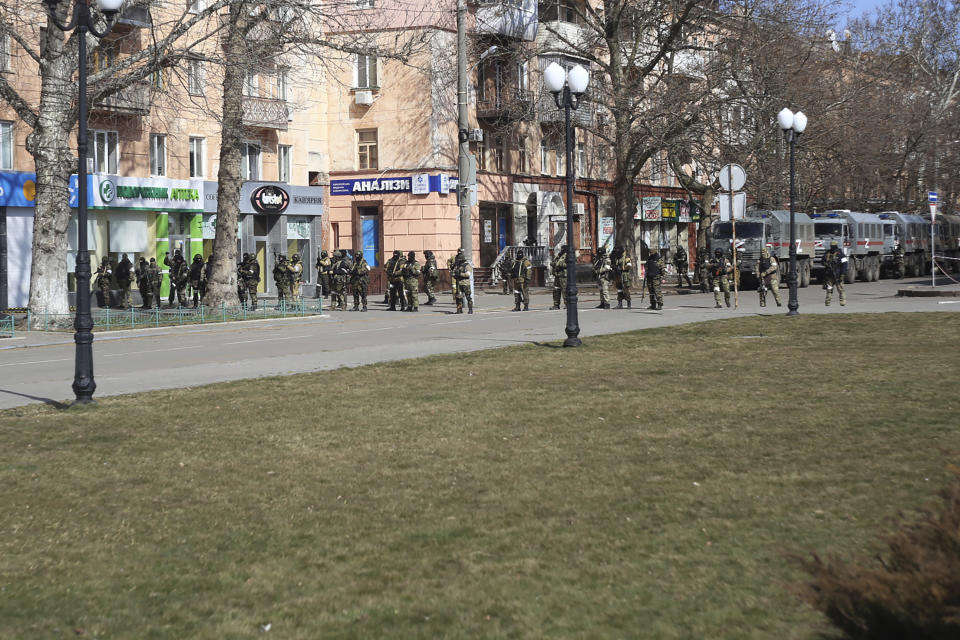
732 177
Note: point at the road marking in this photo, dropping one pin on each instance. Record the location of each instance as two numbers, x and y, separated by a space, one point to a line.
131 353
268 339
16 364
368 330
949 302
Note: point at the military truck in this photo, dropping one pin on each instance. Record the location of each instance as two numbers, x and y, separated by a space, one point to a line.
913 234
770 229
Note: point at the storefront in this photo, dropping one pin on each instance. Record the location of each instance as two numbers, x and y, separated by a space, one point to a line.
275 219
664 225
18 192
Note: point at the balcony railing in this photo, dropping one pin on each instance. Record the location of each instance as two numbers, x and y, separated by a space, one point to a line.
266 113
510 19
547 111
507 105
133 100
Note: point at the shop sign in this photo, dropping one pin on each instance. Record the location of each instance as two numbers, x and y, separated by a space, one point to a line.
269 199
651 208
668 209
150 194
444 183
683 211
365 186
606 230
421 184
18 189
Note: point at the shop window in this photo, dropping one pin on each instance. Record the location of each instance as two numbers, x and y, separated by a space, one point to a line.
365 71
298 241
198 154
6 145
283 163
250 160
195 77
106 151
158 155
367 149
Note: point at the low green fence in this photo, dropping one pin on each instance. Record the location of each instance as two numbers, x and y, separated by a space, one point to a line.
6 327
113 319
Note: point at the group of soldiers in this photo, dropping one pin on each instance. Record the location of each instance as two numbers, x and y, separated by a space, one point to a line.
186 280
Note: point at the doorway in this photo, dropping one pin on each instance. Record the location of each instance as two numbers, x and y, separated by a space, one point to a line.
370 234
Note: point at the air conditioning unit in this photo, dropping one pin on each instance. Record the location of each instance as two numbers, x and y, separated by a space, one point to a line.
475 135
364 98
289 114
578 208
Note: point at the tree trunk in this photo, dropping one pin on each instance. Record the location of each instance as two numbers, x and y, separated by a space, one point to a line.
222 284
49 144
706 218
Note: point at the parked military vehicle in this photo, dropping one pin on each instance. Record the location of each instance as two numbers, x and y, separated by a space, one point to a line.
770 229
913 234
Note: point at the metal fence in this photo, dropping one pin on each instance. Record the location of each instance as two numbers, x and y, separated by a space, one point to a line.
113 319
6 327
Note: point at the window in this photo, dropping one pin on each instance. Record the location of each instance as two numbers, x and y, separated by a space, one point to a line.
523 75
251 85
544 156
365 71
196 6
283 163
198 154
563 10
6 145
106 151
560 158
481 155
364 4
499 154
195 77
282 84
250 160
581 158
4 52
158 155
367 149
523 160
105 55
158 80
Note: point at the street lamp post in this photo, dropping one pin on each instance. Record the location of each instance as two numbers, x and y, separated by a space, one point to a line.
567 89
82 20
793 124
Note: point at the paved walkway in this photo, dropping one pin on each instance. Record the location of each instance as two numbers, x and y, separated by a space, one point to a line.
39 367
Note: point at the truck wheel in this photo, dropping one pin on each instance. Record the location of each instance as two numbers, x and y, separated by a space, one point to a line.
876 269
851 275
805 274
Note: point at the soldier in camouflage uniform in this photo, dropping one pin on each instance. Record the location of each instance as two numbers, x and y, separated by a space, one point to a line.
460 274
835 264
124 275
653 272
682 266
506 265
280 281
411 282
559 278
720 269
394 271
360 281
251 277
179 276
603 271
324 263
899 270
453 280
294 277
431 275
622 267
102 281
768 275
342 267
521 272
195 277
155 277
702 269
143 283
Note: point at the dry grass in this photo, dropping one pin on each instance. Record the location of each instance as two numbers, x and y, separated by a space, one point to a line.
483 494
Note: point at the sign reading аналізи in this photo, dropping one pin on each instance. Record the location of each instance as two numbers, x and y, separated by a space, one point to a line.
381 185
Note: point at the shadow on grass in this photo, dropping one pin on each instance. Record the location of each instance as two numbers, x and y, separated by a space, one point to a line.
53 403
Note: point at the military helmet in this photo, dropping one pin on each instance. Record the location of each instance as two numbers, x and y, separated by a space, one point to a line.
411 255
198 258
564 248
764 253
833 243
718 253
337 254
397 253
428 253
296 257
153 261
602 251
323 254
519 253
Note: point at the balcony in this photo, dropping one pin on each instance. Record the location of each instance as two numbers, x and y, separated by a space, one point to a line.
559 35
548 113
132 100
508 18
506 105
265 113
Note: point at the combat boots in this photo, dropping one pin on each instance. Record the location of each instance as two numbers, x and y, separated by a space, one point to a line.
620 301
516 302
555 307
526 307
628 303
470 306
429 302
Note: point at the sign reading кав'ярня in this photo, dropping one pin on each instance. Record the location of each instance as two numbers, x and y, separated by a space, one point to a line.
151 194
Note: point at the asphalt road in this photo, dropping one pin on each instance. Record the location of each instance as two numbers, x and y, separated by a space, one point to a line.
39 367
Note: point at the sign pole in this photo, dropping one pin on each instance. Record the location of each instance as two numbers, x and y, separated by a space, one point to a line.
733 231
932 200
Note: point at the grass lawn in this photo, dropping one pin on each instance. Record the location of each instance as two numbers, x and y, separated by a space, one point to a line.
483 495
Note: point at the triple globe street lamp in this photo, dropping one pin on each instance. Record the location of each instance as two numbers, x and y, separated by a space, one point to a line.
793 124
568 88
83 21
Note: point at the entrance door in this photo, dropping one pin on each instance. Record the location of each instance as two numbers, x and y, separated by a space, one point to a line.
370 234
488 241
262 226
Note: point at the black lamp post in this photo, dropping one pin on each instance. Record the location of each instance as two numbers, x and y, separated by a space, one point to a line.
82 21
793 124
567 89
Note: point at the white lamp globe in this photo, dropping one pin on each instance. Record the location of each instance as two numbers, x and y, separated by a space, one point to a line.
554 77
785 118
578 78
109 6
799 122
